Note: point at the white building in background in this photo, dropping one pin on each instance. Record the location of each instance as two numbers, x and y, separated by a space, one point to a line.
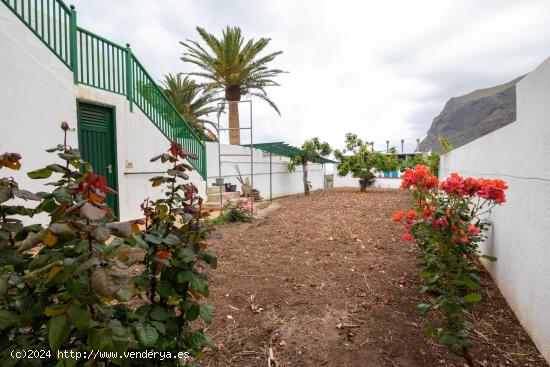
53 71
520 237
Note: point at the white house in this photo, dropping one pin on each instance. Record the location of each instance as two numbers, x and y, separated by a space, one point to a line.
52 70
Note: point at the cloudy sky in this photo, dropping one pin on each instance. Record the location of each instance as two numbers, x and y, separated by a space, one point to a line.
381 69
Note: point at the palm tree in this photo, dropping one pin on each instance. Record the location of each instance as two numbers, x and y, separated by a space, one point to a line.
192 102
234 67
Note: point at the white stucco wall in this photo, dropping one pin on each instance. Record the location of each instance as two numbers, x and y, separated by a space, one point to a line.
283 182
518 153
379 182
37 93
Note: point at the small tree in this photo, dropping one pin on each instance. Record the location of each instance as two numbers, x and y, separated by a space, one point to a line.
359 159
312 150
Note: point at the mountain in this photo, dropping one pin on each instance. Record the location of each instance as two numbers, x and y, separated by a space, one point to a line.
472 115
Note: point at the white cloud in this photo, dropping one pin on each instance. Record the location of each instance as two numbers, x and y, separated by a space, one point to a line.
381 69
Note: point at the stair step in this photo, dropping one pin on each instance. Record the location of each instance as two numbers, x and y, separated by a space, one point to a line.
215 189
224 196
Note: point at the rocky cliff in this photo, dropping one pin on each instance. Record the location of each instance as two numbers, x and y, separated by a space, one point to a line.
470 116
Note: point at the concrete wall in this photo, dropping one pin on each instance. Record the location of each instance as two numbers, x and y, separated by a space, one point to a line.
379 182
37 93
518 153
283 182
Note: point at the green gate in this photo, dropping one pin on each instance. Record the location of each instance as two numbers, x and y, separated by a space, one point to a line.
97 143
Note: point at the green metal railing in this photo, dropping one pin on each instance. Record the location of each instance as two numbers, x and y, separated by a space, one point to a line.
147 95
100 63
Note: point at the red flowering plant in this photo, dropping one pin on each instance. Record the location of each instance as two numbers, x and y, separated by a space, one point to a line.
177 261
447 223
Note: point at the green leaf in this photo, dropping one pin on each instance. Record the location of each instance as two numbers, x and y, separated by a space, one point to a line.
171 240
210 259
7 319
5 194
422 308
101 232
40 173
61 195
192 310
63 230
489 258
56 168
205 313
101 339
55 310
153 239
125 293
147 334
472 297
4 284
58 331
447 340
159 326
470 282
80 316
185 276
26 195
159 314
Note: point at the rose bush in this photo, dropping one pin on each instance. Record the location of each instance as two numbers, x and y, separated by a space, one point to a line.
447 223
64 285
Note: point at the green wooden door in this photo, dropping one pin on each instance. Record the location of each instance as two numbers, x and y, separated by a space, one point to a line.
97 142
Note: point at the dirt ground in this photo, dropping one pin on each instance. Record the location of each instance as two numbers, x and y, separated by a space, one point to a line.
327 280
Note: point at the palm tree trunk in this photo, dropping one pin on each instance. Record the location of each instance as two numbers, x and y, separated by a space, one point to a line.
234 133
306 184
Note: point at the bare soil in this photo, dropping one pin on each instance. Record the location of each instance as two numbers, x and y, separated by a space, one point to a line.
327 280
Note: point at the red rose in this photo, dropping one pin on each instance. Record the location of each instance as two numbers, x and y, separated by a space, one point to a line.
407 236
473 230
398 216
162 255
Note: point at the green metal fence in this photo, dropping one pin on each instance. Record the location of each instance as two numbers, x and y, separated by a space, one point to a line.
100 63
147 95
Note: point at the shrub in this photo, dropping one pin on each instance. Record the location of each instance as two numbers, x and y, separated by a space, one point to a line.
63 288
58 280
447 224
176 260
235 211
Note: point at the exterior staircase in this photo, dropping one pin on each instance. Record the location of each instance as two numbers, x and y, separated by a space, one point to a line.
216 197
100 63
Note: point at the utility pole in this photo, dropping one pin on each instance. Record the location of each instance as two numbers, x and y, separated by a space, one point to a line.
402 145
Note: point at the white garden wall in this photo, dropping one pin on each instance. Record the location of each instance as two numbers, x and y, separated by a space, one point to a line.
379 182
283 182
520 238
